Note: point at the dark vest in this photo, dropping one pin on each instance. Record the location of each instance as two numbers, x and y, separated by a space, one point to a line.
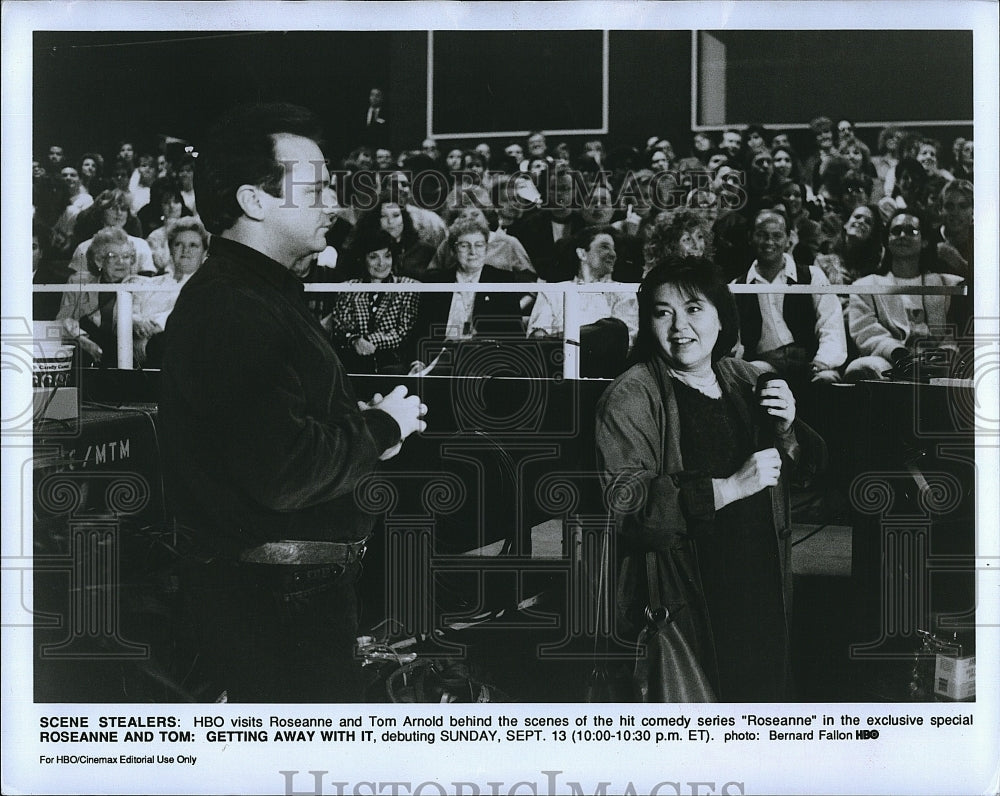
798 311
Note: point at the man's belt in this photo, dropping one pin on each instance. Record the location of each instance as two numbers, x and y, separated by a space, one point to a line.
296 552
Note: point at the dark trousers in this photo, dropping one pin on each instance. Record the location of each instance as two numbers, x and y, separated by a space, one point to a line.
274 633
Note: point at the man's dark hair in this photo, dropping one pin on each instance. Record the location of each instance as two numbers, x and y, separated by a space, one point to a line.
692 276
240 151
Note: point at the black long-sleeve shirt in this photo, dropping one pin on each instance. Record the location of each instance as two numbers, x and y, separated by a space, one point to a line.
261 433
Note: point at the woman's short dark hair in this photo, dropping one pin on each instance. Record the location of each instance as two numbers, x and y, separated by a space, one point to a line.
240 151
692 276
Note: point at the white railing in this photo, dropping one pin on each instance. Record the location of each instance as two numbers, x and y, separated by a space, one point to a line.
570 290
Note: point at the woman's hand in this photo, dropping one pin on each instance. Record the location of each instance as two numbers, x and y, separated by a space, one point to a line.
145 328
91 348
758 472
951 257
777 400
364 347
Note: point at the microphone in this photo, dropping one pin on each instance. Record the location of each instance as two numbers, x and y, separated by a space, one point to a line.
765 423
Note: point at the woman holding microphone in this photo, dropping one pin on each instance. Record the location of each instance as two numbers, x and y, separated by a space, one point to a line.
696 448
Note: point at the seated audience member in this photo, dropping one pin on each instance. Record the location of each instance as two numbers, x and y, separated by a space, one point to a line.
48 195
503 251
929 156
90 318
701 145
754 140
604 345
542 233
888 156
860 159
78 199
684 232
953 241
536 146
187 242
92 173
597 209
141 182
731 229
166 205
909 190
780 139
185 176
786 163
428 225
45 271
636 199
954 238
803 229
411 255
463 315
890 330
964 169
857 250
371 330
799 336
120 174
111 209
384 159
822 130
514 151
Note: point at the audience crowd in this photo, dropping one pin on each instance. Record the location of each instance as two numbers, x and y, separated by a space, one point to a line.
536 211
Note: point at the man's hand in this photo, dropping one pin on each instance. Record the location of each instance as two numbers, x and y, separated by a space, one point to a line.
407 410
364 347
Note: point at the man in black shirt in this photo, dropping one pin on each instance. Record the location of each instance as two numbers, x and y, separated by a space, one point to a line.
264 441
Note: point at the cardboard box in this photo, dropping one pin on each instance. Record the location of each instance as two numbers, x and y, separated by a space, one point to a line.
955 678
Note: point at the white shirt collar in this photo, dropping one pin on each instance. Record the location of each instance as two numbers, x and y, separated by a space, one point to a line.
786 275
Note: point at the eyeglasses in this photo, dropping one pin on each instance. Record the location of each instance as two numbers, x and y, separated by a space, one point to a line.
114 257
854 188
465 247
903 229
845 129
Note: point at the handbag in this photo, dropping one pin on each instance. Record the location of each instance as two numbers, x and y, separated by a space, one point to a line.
666 669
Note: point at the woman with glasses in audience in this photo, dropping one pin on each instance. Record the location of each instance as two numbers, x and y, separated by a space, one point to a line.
111 210
465 314
371 330
890 329
89 318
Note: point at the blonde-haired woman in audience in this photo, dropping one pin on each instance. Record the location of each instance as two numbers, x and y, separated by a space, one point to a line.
187 241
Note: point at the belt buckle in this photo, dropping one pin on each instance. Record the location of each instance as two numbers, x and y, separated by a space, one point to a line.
358 555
